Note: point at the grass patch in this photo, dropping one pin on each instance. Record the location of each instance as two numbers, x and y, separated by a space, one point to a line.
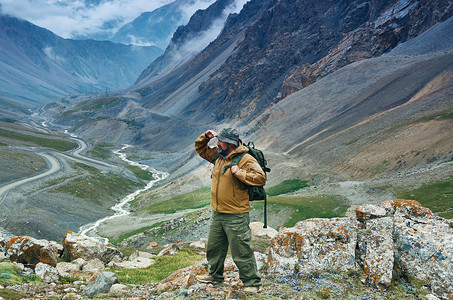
140 173
303 208
164 266
196 199
101 150
96 187
56 144
127 235
9 272
440 116
8 120
287 186
94 105
437 196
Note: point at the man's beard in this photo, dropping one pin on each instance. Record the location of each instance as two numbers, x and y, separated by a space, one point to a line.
223 152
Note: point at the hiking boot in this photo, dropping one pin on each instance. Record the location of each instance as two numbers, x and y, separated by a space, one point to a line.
206 278
251 289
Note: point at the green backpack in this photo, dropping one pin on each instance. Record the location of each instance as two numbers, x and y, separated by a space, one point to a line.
255 192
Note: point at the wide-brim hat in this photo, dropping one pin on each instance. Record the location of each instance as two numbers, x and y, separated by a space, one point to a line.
229 135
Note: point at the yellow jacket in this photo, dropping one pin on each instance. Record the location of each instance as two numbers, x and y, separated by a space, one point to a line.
228 192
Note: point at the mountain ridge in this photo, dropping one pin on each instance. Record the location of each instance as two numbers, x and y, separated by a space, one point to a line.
39 67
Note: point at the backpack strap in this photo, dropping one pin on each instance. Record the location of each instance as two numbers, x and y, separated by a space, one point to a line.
234 162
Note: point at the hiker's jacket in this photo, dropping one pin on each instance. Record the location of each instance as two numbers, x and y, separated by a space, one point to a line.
228 192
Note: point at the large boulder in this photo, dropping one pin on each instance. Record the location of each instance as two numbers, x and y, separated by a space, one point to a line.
79 246
378 259
30 251
313 245
102 284
424 249
47 273
403 234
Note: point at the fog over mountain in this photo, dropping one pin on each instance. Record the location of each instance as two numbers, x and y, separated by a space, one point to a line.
39 67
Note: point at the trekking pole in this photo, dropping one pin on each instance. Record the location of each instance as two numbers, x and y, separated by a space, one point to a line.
265 212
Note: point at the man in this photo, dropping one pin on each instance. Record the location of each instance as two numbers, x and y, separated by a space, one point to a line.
230 204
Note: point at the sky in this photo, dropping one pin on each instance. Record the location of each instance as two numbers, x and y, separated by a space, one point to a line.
72 18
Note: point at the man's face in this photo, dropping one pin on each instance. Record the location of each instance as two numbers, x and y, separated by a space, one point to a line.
222 145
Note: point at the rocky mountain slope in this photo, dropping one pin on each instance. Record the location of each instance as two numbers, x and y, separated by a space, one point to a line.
262 50
39 67
157 27
336 97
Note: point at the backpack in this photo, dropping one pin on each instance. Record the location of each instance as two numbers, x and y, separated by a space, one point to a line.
255 192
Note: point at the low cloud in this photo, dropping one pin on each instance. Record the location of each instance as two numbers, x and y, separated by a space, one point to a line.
69 18
202 40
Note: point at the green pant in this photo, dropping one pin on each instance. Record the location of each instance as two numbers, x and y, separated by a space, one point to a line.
233 230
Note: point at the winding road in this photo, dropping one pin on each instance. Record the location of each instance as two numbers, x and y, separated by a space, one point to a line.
55 166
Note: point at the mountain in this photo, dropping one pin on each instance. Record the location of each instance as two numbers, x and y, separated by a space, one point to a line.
38 66
268 43
157 27
298 76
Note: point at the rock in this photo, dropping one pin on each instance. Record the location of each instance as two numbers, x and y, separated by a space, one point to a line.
407 208
102 284
259 231
117 287
198 268
169 249
31 251
176 280
93 266
412 239
67 269
47 273
378 264
140 255
137 260
424 249
78 246
153 245
369 211
261 260
200 244
314 245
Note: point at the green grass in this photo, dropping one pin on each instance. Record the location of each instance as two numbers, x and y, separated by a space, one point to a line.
8 120
287 186
139 173
196 199
163 267
95 105
96 187
56 144
126 235
303 208
9 272
440 116
101 151
437 196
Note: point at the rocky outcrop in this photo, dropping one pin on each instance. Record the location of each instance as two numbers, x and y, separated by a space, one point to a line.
315 244
393 235
30 251
78 246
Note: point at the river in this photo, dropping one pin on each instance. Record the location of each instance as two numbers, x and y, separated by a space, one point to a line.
89 230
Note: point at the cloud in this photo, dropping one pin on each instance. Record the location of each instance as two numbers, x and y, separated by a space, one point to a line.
202 40
69 18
